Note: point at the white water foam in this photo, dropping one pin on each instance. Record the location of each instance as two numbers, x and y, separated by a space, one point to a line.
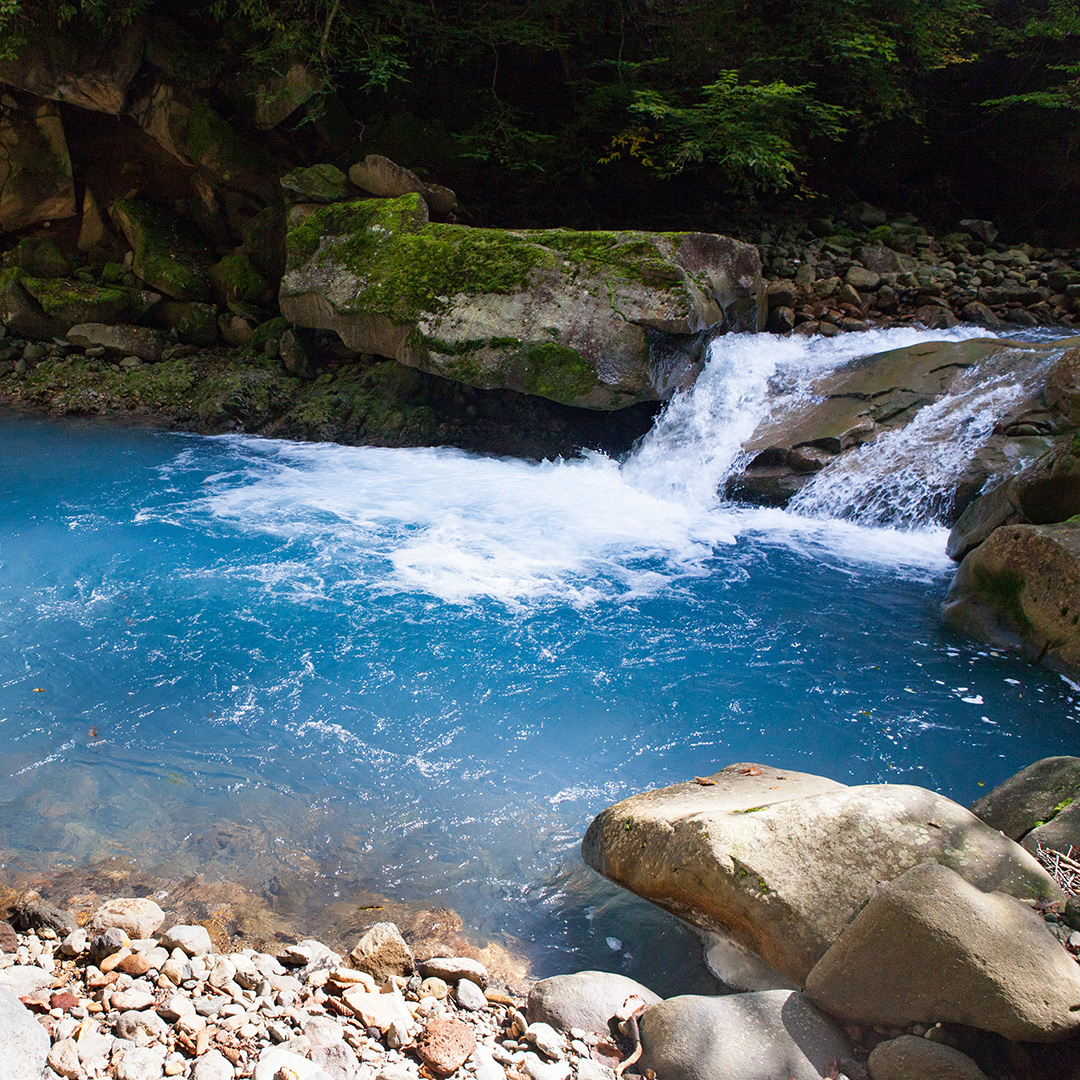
459 527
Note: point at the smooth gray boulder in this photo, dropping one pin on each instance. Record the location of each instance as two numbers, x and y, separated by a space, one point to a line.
597 320
763 1036
25 1042
1031 796
912 1058
782 861
585 1000
931 948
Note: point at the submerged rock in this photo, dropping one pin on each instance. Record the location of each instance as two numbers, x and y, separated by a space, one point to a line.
782 861
776 1033
932 948
1020 588
599 320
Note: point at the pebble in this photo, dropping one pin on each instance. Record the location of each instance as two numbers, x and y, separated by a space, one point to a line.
469 996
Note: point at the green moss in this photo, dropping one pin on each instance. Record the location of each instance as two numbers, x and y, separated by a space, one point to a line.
268 332
1001 593
112 273
211 142
556 372
57 296
235 279
166 257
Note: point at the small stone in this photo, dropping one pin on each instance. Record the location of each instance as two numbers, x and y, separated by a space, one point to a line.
452 969
64 1059
137 917
64 1000
397 1034
537 1069
487 1068
382 952
588 1069
138 1063
470 996
135 965
75 943
274 1060
322 1031
445 1044
176 1006
433 987
194 940
213 1065
546 1039
140 1027
376 1010
338 1060
132 999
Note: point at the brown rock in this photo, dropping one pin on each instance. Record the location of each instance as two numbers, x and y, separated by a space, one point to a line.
36 181
136 964
382 952
63 999
9 940
445 1045
912 1058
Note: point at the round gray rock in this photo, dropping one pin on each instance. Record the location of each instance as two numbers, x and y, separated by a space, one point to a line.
585 1000
25 1042
1030 797
761 1036
911 1058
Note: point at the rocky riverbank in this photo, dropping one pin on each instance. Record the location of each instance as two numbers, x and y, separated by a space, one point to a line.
946 971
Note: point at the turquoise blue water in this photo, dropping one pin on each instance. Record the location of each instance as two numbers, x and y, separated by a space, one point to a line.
421 673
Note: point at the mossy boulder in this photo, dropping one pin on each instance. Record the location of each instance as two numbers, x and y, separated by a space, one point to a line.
168 257
45 308
39 257
1021 588
194 323
593 319
235 280
316 184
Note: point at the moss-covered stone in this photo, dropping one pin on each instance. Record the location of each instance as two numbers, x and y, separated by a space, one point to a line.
39 257
317 184
235 279
168 256
566 315
48 307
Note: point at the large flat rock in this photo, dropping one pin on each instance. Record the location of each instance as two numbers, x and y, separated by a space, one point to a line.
596 320
782 861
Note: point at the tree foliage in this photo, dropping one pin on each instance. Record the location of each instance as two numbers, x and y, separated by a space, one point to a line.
561 88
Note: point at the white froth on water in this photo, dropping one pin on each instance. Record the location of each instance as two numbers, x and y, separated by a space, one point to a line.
460 527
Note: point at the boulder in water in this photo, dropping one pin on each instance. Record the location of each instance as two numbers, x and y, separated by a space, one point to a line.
781 861
596 320
1020 588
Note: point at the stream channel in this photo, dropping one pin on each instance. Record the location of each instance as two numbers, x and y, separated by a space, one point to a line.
335 672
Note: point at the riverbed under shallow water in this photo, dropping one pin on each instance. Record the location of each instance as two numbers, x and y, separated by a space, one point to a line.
330 671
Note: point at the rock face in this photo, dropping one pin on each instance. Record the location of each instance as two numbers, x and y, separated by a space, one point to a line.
598 320
754 854
25 1042
763 1036
585 1000
1021 588
1044 493
932 948
36 181
871 396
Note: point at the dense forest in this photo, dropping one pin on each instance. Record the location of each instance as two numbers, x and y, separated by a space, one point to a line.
652 112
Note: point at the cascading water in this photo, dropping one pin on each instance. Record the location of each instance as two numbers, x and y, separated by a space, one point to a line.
335 672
